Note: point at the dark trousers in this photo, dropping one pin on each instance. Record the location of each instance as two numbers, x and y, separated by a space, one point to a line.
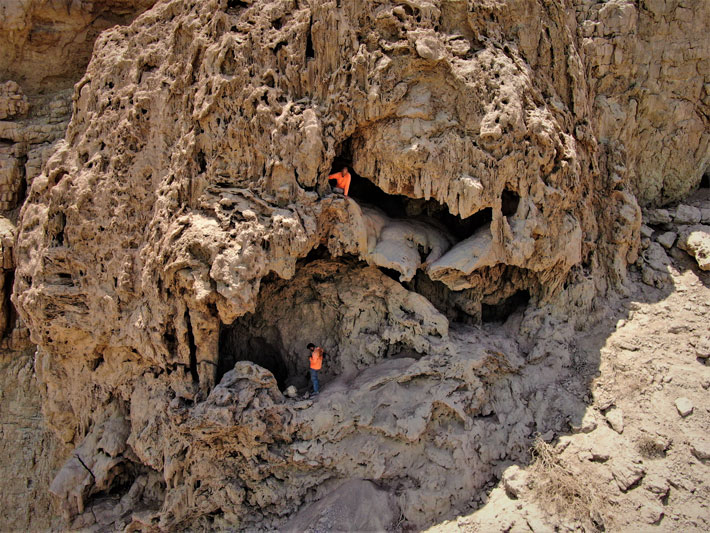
314 380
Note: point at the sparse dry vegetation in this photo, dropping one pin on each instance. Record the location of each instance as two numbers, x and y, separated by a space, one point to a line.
651 448
562 493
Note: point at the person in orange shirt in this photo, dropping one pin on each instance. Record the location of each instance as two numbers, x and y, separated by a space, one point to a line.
342 181
316 360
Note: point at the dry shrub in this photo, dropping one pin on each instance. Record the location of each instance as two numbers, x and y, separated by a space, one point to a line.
651 448
561 493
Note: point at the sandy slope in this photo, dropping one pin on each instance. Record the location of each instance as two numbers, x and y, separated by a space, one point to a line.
636 462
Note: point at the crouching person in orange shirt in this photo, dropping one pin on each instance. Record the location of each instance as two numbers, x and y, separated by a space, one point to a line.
342 181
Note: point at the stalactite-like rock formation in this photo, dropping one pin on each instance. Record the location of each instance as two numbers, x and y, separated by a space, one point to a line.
181 246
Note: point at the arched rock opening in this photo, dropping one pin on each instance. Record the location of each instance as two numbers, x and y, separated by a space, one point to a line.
500 311
238 343
509 202
367 193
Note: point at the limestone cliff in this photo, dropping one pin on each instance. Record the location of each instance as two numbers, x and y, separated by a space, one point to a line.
181 245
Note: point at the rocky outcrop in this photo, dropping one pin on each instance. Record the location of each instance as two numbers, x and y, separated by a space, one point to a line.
44 50
649 69
181 245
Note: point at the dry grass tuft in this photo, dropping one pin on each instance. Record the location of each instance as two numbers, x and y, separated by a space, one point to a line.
651 448
561 493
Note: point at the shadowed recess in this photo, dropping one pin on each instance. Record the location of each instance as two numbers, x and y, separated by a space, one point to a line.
502 310
237 345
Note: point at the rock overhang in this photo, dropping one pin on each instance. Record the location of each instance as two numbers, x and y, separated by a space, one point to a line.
189 181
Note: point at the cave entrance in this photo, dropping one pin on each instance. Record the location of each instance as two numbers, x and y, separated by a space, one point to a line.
237 344
705 180
509 202
500 311
430 211
365 192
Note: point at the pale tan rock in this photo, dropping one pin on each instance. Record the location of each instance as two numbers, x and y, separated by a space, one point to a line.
615 418
696 241
684 406
190 197
687 215
515 481
667 239
587 424
627 473
657 216
700 448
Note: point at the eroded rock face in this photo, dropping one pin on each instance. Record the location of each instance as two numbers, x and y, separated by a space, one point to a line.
650 71
186 221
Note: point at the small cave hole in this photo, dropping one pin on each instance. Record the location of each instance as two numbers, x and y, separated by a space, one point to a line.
509 202
277 24
390 273
193 348
201 161
7 307
96 363
705 181
310 52
230 64
236 4
319 252
237 344
500 311
22 190
170 341
55 228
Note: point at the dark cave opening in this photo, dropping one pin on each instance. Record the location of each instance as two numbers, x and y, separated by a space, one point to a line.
8 308
319 252
500 311
237 344
431 211
509 202
236 4
310 53
705 181
365 192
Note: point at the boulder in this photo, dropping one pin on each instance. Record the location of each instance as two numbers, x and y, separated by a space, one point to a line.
684 406
696 241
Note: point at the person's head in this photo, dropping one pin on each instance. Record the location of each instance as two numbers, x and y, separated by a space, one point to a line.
311 346
345 169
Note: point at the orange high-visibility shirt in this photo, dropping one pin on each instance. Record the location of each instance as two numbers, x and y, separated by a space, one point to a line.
317 358
342 179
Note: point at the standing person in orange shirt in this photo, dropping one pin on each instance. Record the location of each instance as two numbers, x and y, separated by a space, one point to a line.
316 360
342 181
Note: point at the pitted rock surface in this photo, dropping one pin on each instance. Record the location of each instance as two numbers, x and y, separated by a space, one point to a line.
181 245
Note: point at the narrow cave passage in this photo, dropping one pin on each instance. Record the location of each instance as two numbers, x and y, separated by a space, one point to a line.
237 344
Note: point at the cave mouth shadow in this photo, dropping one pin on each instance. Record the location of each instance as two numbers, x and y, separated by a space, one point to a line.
399 206
237 344
502 310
